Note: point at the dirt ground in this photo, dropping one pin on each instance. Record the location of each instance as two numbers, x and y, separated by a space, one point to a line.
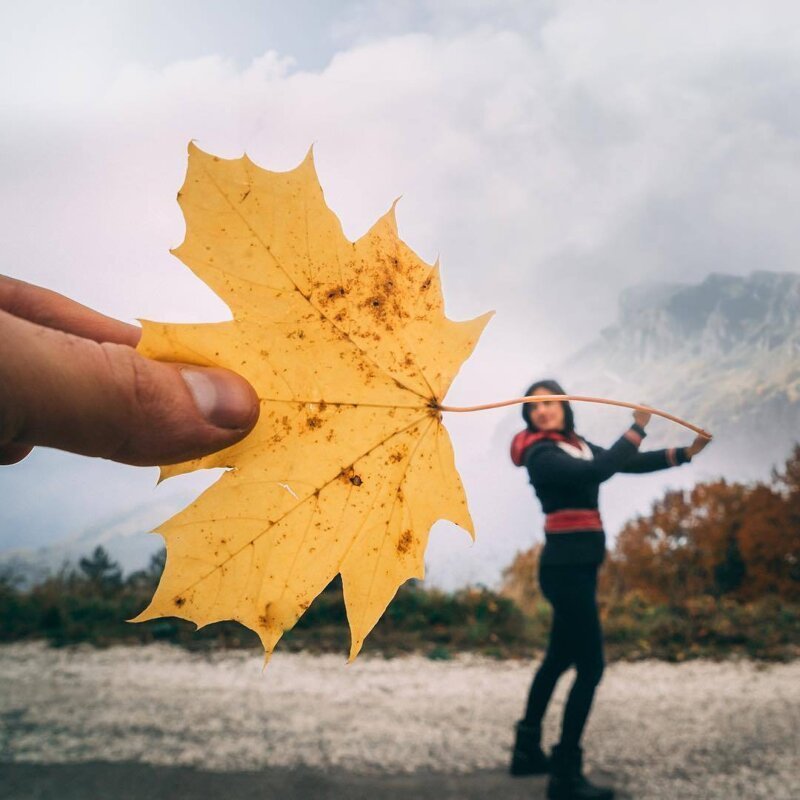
160 722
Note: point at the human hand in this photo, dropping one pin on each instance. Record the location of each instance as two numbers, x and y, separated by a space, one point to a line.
71 379
641 417
697 445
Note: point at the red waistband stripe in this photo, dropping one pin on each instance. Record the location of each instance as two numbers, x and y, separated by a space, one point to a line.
573 519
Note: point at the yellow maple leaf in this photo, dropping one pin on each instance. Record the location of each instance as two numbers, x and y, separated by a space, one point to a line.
350 352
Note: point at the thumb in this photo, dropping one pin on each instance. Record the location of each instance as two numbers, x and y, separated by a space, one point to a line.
64 391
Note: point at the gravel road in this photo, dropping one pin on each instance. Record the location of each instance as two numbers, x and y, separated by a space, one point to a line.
696 730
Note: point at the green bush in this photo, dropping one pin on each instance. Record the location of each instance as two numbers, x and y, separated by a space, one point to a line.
91 605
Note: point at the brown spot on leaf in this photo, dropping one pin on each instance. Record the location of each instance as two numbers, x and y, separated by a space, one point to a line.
264 618
406 540
398 455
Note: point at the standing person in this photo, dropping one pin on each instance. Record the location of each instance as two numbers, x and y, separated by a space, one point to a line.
566 472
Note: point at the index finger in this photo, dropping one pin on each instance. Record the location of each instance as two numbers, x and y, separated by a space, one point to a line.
53 310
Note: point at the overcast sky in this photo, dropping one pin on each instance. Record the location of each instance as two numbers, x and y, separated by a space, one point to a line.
551 153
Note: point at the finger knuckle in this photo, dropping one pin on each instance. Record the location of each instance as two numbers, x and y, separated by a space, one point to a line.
136 390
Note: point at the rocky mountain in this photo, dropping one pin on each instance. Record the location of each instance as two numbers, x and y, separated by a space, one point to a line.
724 354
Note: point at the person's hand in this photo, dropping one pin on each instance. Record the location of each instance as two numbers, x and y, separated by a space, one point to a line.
697 445
70 378
641 417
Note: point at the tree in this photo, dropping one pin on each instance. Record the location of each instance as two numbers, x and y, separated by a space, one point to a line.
770 535
100 572
688 545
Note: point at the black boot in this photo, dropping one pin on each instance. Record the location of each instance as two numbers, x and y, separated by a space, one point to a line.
528 757
567 781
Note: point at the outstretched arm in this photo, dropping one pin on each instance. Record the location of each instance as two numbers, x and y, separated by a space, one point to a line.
549 464
650 460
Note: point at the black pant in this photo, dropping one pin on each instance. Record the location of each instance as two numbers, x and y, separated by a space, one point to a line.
575 638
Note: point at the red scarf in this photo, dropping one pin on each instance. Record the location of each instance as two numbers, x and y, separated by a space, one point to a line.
525 438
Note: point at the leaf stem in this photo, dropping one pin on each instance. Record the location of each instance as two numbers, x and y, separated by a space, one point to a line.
582 398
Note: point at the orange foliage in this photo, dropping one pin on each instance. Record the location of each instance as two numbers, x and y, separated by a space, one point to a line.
770 536
687 546
520 579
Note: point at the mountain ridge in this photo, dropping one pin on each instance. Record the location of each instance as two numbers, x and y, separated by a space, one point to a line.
723 354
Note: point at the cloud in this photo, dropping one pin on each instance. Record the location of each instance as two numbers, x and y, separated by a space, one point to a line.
552 154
